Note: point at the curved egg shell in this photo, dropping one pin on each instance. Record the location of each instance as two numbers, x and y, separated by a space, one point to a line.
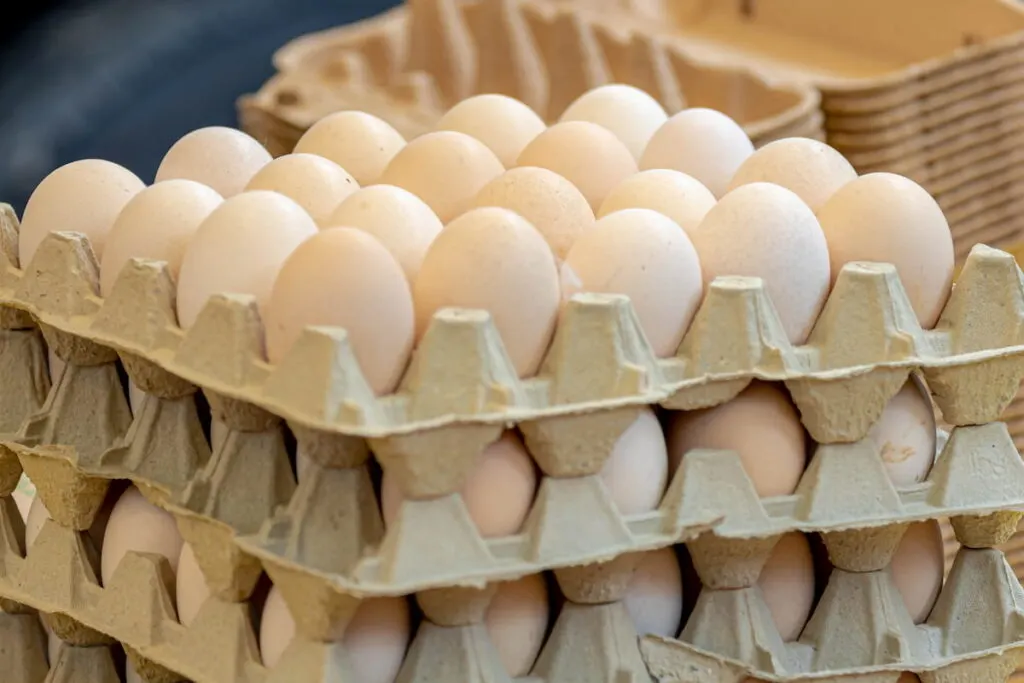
648 257
156 224
787 584
445 169
360 143
504 124
84 196
766 231
493 259
397 218
138 525
223 158
811 169
343 277
239 249
548 201
636 471
682 198
905 435
316 184
586 154
517 621
277 628
760 424
886 218
918 566
628 112
376 639
654 598
498 492
702 143
193 590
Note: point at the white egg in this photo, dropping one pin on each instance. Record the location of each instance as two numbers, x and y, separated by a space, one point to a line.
630 113
636 472
517 621
654 598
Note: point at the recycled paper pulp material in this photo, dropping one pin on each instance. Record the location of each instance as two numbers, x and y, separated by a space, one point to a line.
421 78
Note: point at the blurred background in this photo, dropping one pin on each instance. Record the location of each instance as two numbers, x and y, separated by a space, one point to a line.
123 79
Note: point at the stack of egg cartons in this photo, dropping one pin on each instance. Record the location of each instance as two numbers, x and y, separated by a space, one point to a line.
490 407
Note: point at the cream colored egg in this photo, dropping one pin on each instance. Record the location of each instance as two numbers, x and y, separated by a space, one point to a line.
23 495
646 256
498 491
84 196
222 158
493 259
504 124
517 621
192 590
400 220
787 584
905 435
636 472
886 218
317 184
766 231
761 424
702 143
676 195
918 566
360 143
551 203
239 249
811 169
586 154
156 224
654 598
445 169
343 277
630 113
136 525
277 628
376 639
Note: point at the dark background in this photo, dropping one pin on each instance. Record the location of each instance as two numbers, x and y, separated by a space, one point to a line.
123 79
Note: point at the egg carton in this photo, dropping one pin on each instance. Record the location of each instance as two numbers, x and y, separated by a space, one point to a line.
408 66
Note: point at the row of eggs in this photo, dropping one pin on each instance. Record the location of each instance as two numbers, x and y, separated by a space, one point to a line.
761 424
360 230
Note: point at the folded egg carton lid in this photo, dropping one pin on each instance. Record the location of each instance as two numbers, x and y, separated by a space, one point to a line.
420 62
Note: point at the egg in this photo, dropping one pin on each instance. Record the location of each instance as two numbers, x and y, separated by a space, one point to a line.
157 224
239 249
702 143
586 154
548 201
630 113
787 584
517 621
636 472
493 259
811 169
905 435
648 257
84 196
445 169
760 424
766 231
130 675
886 218
138 525
680 197
23 495
497 493
361 144
277 628
654 597
222 158
397 218
504 124
192 590
375 640
343 277
918 566
316 184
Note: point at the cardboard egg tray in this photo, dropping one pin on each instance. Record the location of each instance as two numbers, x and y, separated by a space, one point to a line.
243 513
411 64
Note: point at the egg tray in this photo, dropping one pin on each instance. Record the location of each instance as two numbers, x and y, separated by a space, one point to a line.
408 66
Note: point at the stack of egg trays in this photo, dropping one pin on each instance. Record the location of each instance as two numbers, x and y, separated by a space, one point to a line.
323 542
